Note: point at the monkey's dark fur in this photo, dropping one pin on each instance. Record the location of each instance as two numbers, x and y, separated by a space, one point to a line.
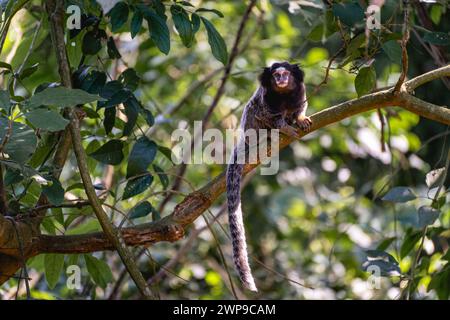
279 102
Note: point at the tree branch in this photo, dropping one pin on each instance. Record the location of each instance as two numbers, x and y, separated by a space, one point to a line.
171 228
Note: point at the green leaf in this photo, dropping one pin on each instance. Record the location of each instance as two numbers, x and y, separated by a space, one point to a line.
137 185
427 216
119 15
21 142
12 177
435 178
49 225
132 108
393 51
385 243
381 261
53 264
381 254
159 32
167 152
28 71
410 241
440 282
5 102
349 13
141 156
399 195
110 153
110 88
109 120
99 271
356 43
215 40
217 12
130 79
437 38
148 117
141 210
365 81
54 192
47 119
93 82
5 65
385 269
195 20
182 24
92 43
162 176
119 97
61 97
136 24
186 3
113 53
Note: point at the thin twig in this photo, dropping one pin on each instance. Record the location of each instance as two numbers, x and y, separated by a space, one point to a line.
404 43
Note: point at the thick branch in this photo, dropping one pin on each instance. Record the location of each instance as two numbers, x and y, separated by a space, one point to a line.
427 77
171 228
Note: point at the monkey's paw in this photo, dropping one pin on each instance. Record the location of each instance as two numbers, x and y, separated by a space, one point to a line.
304 123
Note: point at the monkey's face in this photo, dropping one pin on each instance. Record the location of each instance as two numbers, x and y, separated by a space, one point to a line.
282 77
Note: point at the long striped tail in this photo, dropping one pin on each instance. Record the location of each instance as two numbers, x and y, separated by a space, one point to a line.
240 255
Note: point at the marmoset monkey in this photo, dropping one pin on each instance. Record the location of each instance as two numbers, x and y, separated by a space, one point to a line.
279 102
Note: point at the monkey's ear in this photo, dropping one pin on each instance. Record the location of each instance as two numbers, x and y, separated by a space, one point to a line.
264 77
298 73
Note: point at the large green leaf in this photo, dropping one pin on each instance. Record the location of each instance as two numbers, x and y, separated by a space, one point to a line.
53 264
47 119
4 100
113 52
61 97
162 176
132 108
365 80
410 241
182 24
393 51
141 156
215 40
119 15
136 23
110 153
215 11
348 13
21 142
159 32
137 185
92 43
130 79
427 216
99 271
141 210
437 38
54 192
399 194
